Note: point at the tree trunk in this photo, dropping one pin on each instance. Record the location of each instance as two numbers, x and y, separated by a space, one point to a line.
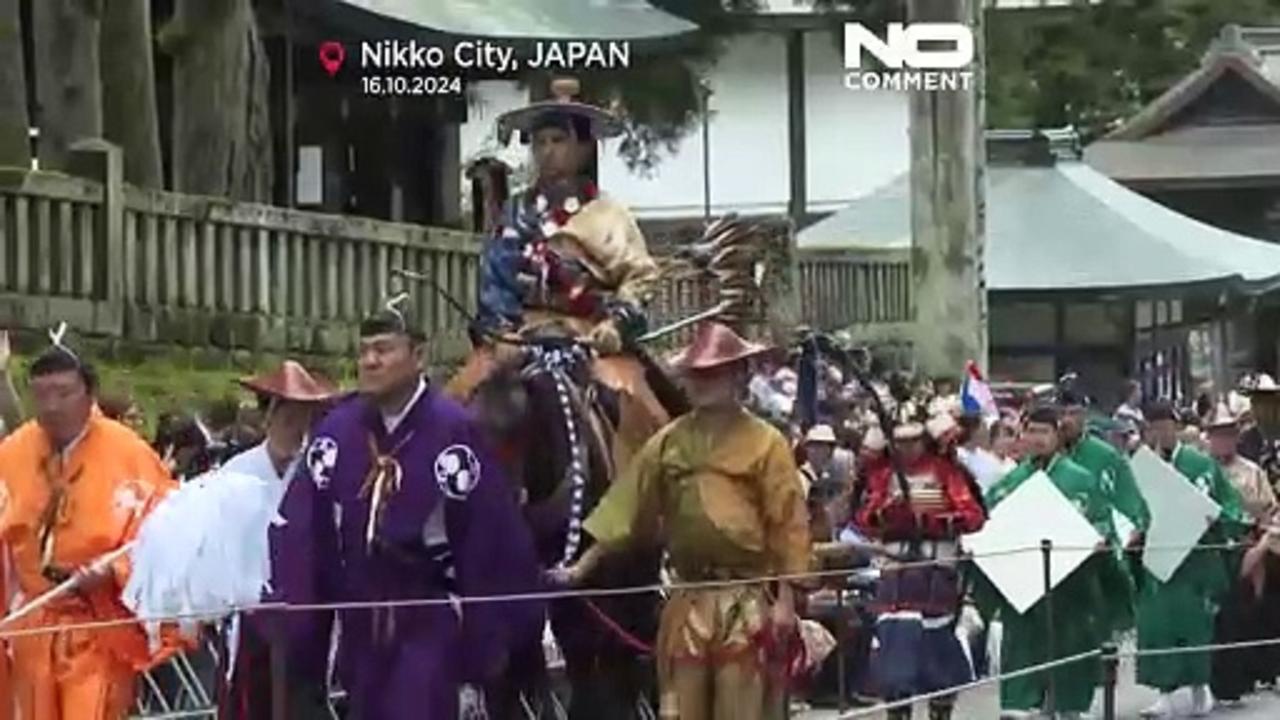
947 181
221 122
68 86
15 145
128 90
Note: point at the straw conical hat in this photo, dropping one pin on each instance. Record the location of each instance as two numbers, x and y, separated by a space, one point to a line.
604 124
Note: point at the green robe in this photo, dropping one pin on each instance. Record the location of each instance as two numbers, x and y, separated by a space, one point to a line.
1111 469
1082 610
1181 612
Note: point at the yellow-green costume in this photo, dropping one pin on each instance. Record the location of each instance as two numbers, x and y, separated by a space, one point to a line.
724 494
1082 610
1180 613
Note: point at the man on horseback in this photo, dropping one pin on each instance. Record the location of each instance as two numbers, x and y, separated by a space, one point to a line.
555 378
569 260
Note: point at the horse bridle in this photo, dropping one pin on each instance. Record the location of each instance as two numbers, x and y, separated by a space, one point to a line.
559 362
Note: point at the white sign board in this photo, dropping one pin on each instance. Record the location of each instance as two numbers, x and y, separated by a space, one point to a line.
1007 549
986 468
1124 527
1180 513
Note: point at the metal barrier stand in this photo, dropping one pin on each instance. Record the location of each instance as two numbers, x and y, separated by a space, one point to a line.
841 624
1110 677
1046 551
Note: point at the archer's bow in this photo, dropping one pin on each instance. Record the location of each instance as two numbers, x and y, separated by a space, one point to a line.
885 420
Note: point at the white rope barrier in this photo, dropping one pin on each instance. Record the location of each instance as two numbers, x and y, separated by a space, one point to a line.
952 691
605 592
1188 649
210 616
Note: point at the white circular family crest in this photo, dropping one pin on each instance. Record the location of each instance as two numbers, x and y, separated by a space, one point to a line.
129 498
457 471
322 458
1081 504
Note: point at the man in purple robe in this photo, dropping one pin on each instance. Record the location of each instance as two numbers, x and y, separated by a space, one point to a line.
398 498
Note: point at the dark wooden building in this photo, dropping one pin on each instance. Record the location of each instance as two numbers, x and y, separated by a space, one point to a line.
338 148
1209 147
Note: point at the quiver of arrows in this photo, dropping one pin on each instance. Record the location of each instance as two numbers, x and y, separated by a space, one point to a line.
730 252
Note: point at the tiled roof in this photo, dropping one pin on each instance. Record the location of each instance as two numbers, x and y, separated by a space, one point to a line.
1191 153
1251 53
1065 226
548 19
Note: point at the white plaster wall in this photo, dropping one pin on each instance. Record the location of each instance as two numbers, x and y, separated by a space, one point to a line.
786 7
748 138
857 140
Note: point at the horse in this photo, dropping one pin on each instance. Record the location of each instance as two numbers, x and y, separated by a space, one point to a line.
553 424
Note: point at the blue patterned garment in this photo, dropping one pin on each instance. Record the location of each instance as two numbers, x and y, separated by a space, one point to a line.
501 300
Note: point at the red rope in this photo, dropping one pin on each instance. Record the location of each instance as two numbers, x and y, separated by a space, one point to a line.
627 638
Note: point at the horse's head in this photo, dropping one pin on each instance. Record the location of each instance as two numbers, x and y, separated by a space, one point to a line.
501 402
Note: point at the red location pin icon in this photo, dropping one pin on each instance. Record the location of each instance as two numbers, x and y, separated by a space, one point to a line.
331 56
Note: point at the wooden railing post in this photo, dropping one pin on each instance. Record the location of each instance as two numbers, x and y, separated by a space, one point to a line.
99 160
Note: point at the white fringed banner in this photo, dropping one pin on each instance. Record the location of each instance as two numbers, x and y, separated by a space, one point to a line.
204 550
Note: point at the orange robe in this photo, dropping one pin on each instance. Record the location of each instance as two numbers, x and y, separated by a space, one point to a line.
64 510
6 686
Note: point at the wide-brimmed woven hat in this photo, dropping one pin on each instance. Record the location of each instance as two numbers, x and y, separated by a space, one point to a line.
715 345
820 433
1222 419
564 92
291 382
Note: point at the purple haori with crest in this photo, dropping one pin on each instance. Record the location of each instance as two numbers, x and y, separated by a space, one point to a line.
449 525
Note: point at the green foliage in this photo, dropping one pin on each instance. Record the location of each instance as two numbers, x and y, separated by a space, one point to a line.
1094 66
155 385
658 100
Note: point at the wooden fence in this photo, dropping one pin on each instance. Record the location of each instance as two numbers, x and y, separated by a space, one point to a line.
156 267
845 289
152 266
